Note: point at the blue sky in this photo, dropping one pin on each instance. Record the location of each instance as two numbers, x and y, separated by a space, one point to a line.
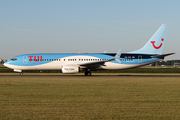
71 26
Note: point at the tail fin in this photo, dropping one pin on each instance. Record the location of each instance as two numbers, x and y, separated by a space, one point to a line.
156 43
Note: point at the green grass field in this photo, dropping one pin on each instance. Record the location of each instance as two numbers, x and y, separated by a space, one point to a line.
89 98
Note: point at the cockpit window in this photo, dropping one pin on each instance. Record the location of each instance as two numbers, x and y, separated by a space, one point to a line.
14 59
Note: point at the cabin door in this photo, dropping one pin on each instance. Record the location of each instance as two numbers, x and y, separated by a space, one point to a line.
25 60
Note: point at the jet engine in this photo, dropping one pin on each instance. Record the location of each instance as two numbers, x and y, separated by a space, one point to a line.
70 69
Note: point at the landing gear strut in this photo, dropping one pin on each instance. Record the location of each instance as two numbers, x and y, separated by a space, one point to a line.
21 73
87 73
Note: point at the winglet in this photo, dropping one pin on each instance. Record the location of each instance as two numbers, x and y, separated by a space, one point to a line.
118 54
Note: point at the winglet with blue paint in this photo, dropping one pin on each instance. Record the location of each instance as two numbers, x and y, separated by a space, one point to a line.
118 54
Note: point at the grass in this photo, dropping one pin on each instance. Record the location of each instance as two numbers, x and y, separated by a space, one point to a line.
89 98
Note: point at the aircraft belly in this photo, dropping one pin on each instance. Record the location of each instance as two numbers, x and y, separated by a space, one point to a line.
116 66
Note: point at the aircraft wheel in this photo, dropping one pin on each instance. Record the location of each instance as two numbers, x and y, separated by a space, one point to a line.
21 74
87 73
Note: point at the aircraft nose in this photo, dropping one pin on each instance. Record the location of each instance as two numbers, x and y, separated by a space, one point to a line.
5 64
8 64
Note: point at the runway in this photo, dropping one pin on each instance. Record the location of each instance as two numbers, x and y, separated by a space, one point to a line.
101 76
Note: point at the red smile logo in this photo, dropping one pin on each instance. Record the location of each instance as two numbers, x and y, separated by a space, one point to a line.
157 47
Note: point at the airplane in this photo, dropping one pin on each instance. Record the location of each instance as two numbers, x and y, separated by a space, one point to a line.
69 63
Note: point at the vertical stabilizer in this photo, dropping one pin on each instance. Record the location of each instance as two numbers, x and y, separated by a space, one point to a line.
156 43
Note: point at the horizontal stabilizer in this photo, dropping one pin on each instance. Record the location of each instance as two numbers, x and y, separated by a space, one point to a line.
163 55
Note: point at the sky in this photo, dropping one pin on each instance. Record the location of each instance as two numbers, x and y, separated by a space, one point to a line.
86 26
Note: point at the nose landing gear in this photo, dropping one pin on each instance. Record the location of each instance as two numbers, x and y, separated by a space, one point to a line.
21 74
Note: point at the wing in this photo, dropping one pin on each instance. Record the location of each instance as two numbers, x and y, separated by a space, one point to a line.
97 64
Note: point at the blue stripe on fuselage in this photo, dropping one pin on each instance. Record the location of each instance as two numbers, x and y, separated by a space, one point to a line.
24 60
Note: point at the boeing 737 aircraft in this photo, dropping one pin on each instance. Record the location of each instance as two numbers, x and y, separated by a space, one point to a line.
75 62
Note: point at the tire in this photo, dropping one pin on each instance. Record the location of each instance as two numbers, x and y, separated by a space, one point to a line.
87 73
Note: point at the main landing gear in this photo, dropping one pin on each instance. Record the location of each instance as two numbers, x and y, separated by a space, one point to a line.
87 73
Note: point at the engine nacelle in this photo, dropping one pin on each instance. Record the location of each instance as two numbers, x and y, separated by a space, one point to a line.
17 70
70 69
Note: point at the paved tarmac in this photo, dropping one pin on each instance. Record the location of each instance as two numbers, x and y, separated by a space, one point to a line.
109 76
